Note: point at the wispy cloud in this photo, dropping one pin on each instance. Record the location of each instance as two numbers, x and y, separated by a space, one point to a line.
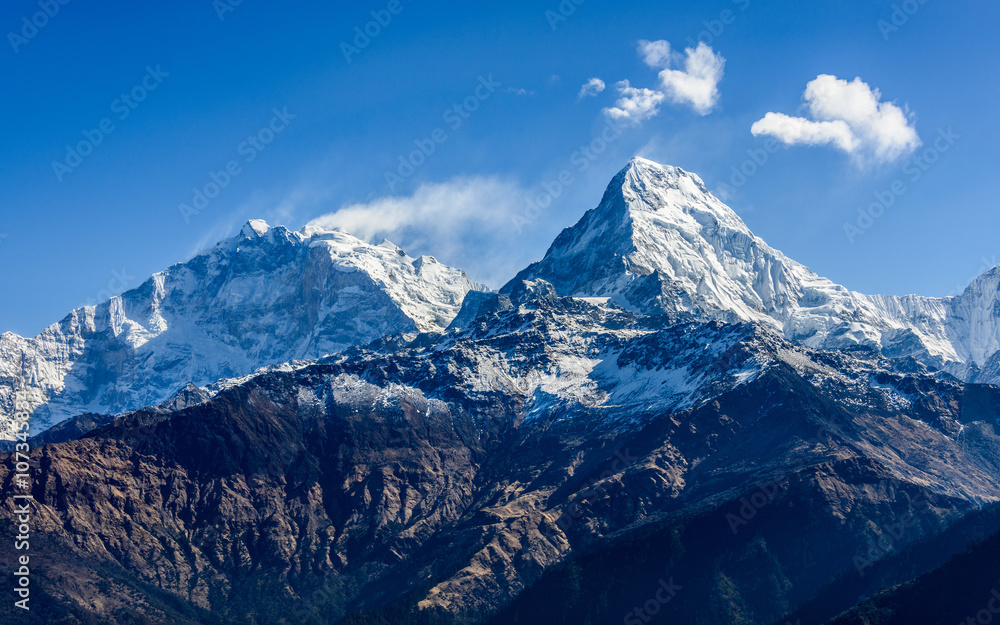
591 88
464 222
851 117
695 84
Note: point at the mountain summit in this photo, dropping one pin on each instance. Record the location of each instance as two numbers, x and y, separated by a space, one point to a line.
659 242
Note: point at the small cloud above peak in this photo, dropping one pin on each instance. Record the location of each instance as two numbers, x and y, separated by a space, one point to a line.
655 54
695 85
698 84
635 105
591 88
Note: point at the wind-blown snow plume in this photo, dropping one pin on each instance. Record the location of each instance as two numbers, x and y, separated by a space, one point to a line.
464 221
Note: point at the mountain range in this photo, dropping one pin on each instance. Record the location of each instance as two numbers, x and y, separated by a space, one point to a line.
659 242
663 420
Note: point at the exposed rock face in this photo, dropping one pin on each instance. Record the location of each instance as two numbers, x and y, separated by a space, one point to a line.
461 467
263 297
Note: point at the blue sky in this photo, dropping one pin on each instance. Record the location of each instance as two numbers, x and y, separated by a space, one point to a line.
221 83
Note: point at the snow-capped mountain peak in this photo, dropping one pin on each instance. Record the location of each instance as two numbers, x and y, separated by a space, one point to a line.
650 187
660 242
267 295
256 227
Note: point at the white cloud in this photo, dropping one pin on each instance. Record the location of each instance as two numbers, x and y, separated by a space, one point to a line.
848 115
635 105
464 222
797 130
655 54
437 209
698 84
591 88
